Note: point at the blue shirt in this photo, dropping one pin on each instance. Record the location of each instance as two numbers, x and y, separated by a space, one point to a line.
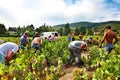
69 38
23 41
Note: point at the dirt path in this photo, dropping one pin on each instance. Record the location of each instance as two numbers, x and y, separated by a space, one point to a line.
68 75
69 70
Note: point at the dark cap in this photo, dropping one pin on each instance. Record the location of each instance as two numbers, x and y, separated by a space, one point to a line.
108 27
26 33
36 33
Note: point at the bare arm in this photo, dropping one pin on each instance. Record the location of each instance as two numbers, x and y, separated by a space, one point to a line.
81 46
102 40
116 39
40 41
9 56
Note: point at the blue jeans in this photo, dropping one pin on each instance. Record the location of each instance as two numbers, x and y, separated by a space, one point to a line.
2 59
36 46
74 52
108 47
69 39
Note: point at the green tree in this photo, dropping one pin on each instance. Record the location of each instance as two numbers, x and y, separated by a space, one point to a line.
12 29
21 29
82 30
18 30
77 31
30 28
89 32
2 29
60 30
67 29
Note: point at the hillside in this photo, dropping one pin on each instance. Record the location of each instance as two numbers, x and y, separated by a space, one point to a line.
90 24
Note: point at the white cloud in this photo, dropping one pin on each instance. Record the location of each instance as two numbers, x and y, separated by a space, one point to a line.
52 12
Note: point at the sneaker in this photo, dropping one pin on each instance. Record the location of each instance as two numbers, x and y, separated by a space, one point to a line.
79 65
67 65
82 63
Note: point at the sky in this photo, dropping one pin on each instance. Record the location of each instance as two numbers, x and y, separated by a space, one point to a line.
14 13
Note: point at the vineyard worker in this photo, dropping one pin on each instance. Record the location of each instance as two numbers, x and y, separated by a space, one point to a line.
36 43
1 41
89 40
24 40
73 36
36 35
108 37
7 50
80 36
50 38
69 37
75 48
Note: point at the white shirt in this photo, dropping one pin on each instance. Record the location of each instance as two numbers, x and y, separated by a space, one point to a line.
77 43
5 48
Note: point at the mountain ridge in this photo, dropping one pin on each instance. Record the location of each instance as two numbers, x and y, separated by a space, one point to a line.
88 24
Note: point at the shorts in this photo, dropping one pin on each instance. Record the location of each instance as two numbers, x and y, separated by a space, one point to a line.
108 47
36 46
2 59
69 39
73 39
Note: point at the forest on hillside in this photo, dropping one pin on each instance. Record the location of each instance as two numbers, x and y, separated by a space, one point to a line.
86 28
